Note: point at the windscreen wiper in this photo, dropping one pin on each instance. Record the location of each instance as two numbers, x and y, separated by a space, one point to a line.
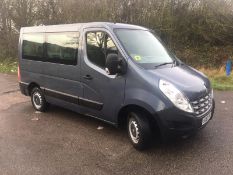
162 64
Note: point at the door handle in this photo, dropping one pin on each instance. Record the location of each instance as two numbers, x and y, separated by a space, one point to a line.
87 77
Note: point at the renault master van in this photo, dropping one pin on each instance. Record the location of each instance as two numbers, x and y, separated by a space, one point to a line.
121 74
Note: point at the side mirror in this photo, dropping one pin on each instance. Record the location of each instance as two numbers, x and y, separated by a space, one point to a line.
114 64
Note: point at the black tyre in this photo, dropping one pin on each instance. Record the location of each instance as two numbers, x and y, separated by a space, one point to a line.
38 99
139 130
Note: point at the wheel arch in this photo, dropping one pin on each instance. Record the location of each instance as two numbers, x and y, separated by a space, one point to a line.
123 114
31 86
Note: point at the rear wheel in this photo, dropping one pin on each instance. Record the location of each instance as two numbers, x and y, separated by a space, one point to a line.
38 99
139 130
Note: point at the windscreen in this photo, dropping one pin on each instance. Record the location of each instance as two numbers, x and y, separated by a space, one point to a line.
143 47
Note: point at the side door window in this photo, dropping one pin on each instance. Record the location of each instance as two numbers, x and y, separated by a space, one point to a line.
99 45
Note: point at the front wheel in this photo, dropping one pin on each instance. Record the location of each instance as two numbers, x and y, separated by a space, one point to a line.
38 99
139 130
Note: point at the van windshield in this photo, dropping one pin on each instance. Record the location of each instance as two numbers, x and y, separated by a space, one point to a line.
143 47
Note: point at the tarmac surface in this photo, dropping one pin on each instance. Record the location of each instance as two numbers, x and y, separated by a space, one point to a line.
61 142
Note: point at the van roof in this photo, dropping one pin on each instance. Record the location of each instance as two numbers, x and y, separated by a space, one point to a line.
78 26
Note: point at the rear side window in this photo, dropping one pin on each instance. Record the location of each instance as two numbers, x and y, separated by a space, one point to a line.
33 46
62 47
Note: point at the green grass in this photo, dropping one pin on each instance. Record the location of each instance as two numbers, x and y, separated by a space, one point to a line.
218 79
222 82
8 66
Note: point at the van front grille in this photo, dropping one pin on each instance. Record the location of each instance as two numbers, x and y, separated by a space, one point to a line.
202 105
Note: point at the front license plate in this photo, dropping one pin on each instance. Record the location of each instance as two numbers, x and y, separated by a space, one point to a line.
206 119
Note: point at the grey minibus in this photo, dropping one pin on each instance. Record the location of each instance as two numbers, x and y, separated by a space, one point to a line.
119 73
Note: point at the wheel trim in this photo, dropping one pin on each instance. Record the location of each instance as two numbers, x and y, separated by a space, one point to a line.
134 131
37 100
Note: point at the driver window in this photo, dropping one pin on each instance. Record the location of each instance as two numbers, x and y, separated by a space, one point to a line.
99 45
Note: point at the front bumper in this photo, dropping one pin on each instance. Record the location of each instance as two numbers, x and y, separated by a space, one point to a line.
174 123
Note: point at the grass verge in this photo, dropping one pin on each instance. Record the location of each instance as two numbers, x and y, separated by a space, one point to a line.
218 78
8 66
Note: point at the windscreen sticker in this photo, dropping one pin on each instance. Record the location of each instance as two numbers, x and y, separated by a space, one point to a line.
137 58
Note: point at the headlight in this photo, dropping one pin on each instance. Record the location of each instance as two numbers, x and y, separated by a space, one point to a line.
176 97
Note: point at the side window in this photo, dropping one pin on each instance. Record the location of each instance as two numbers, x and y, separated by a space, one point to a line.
95 48
62 47
33 46
99 45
